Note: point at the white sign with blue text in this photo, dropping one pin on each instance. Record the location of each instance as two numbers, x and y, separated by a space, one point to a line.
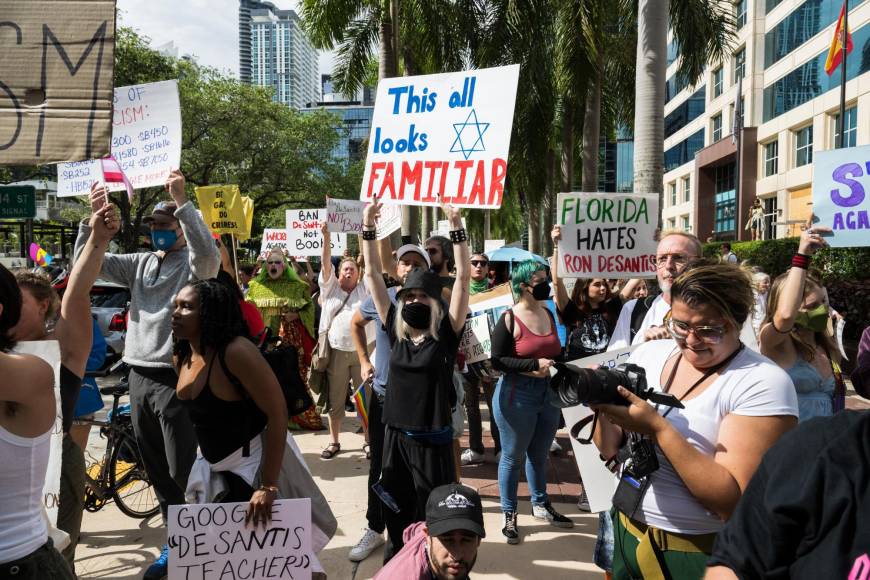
841 195
442 137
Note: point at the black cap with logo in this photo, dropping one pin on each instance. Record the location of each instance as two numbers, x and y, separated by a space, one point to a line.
454 507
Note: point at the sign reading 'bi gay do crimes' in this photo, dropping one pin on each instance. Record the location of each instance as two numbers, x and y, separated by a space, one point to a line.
442 136
607 235
211 541
841 195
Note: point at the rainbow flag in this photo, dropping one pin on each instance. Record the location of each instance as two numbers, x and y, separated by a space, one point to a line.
362 405
39 255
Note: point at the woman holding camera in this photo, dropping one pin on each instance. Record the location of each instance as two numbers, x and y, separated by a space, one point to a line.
524 346
736 404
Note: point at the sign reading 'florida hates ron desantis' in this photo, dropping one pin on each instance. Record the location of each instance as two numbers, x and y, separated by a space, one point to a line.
841 195
607 235
443 136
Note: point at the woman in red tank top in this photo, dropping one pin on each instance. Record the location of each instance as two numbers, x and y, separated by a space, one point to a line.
524 346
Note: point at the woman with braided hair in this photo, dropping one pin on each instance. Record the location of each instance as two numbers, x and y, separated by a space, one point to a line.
284 301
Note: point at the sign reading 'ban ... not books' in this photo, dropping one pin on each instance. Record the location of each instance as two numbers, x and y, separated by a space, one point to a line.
442 135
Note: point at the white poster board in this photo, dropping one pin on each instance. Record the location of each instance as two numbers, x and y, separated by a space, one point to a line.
49 351
146 140
476 342
598 482
209 541
304 236
442 137
344 215
607 235
491 245
498 297
841 195
390 220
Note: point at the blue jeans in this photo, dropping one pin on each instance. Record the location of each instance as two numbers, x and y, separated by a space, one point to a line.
527 423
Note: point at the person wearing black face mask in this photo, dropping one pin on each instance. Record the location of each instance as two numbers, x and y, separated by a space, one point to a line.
524 346
424 334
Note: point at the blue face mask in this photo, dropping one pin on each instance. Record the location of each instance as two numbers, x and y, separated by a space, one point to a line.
163 239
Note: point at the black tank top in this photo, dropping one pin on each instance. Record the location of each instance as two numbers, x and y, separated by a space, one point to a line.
222 426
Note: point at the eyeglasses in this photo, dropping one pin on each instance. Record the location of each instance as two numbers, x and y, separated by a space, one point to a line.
680 331
678 259
431 250
479 262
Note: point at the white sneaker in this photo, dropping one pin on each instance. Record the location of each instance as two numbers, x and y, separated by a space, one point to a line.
555 447
545 512
470 456
370 541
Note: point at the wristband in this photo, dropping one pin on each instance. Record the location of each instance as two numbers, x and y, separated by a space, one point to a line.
801 261
369 235
458 236
371 226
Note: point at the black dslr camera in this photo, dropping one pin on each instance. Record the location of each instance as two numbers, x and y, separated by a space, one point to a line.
576 386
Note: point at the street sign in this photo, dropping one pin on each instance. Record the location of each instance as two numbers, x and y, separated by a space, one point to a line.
17 201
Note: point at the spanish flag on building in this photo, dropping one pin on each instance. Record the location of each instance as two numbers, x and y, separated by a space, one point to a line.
835 54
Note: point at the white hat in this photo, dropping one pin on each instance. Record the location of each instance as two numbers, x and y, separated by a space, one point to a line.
413 248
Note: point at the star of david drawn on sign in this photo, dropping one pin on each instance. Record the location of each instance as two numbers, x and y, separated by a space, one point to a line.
469 135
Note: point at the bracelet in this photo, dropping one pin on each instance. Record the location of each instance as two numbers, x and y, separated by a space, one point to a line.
458 236
801 261
372 226
272 488
369 235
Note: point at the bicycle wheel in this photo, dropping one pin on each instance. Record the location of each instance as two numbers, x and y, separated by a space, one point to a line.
131 488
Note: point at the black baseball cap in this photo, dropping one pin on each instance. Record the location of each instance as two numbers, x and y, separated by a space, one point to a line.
454 507
425 280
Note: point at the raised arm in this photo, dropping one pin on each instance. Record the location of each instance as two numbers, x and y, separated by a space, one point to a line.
460 294
792 293
326 254
374 279
74 328
118 269
204 258
626 293
561 292
388 261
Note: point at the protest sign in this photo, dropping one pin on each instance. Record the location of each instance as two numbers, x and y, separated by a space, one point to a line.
476 342
274 238
55 80
49 351
442 137
344 215
841 195
490 245
304 236
212 541
146 140
390 220
607 235
500 296
248 209
222 209
598 482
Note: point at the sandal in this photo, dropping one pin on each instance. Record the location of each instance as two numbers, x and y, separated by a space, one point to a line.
331 451
368 450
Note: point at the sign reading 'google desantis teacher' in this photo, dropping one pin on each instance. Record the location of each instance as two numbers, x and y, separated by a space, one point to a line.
841 195
442 136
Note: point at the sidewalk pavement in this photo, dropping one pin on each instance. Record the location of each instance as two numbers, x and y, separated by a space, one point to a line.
116 546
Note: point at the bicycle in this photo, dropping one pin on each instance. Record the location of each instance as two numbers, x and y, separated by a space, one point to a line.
121 474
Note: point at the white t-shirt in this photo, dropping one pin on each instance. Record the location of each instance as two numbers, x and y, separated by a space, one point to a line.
331 298
751 385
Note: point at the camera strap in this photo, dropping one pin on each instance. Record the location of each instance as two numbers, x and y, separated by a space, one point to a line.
710 372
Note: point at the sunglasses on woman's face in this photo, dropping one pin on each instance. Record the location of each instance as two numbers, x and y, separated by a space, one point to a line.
479 263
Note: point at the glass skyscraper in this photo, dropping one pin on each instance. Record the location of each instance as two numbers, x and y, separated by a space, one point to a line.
274 52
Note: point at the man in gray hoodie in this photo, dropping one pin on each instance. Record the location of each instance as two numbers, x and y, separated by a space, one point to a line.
185 251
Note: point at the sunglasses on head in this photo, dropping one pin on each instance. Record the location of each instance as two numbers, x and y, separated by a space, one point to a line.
479 262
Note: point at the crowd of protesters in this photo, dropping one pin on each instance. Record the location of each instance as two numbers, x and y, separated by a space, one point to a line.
745 360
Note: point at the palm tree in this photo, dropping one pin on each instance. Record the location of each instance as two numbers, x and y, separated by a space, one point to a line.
702 32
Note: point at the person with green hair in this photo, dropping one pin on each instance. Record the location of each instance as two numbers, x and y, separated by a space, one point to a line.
284 301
